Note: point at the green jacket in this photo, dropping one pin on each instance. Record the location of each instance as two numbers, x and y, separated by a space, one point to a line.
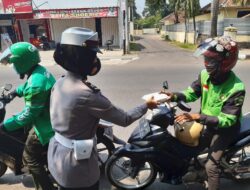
221 105
36 93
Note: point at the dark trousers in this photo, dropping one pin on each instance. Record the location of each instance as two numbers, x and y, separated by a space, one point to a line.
93 187
34 157
217 141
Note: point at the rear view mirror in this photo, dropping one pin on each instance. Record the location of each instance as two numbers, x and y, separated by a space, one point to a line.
7 87
165 85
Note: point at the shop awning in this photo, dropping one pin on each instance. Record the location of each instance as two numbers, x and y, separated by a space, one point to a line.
63 9
72 4
15 6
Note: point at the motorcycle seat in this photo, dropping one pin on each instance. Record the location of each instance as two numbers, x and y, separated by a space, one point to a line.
151 140
244 129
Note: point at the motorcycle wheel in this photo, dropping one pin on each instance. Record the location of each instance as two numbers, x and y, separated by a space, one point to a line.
105 148
239 162
123 174
3 169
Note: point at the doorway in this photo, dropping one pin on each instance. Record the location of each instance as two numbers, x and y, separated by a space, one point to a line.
98 26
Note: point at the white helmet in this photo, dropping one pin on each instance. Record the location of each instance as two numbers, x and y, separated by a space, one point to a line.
190 134
82 37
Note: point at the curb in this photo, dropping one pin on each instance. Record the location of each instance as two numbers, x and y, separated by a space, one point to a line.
105 60
244 56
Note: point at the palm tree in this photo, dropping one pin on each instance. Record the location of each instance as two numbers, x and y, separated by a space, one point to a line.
193 5
214 17
242 2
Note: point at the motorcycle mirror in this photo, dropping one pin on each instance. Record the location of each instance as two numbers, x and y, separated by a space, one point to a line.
7 87
165 85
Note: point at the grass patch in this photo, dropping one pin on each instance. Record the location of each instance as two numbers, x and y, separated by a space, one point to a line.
134 46
185 46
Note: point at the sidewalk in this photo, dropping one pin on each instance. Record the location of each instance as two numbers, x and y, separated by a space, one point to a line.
244 54
108 57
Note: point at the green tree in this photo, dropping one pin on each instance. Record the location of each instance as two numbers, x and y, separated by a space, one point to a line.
156 7
134 14
190 8
147 22
242 2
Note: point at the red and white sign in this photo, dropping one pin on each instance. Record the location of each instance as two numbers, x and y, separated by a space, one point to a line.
1 7
17 6
77 13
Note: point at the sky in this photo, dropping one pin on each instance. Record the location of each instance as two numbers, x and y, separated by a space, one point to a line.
140 4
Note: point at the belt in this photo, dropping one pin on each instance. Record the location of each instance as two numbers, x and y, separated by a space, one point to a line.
69 143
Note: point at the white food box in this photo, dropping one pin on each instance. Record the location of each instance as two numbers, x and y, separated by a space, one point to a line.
157 96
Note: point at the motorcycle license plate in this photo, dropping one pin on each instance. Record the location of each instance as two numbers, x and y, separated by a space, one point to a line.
144 127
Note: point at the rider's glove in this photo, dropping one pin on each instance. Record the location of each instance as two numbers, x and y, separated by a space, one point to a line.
2 128
12 95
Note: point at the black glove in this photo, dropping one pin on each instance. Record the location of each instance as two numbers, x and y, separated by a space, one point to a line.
2 128
12 95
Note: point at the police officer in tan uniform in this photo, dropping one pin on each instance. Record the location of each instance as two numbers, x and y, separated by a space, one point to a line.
76 108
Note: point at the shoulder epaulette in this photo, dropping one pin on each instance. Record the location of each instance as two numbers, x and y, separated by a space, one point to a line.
91 86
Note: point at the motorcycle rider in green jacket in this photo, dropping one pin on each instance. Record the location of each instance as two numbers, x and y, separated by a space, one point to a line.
36 93
222 95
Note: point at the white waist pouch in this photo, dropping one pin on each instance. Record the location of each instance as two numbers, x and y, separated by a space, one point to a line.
82 148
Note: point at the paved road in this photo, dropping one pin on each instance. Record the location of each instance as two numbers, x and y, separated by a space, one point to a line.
124 84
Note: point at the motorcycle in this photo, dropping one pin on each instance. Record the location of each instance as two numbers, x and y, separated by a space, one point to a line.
152 149
44 43
12 143
106 141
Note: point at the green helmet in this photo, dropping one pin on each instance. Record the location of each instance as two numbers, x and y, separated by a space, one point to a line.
23 55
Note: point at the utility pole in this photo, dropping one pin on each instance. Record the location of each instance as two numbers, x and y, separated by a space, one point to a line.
123 9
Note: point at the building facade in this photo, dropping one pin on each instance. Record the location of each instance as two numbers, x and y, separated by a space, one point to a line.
52 17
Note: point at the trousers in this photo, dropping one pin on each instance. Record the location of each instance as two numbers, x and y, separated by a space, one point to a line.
35 158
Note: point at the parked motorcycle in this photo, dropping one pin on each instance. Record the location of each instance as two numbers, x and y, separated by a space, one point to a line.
44 43
12 143
152 150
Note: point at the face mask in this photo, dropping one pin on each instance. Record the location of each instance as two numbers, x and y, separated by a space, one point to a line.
96 67
212 65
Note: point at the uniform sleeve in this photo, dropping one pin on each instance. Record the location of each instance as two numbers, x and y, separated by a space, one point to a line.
191 94
230 113
19 90
35 101
102 108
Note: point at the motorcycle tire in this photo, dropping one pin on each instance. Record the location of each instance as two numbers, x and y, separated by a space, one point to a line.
3 169
105 148
240 161
129 171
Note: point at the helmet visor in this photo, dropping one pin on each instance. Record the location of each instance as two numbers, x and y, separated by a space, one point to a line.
5 57
203 47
